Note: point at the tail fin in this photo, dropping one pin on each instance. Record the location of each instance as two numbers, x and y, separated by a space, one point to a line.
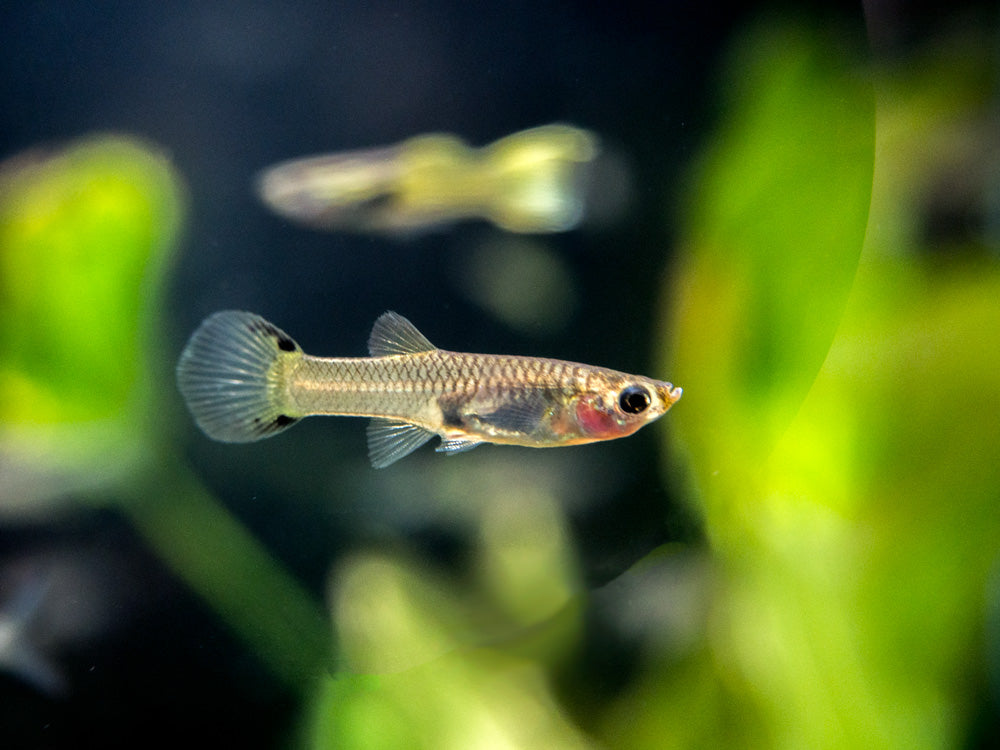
540 178
231 375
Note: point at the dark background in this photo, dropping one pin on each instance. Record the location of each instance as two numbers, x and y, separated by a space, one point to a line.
229 88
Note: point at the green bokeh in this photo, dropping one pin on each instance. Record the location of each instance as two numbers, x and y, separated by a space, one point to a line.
838 438
775 224
840 420
71 334
87 235
837 435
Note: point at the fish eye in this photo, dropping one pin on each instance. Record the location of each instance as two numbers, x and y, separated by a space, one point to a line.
634 399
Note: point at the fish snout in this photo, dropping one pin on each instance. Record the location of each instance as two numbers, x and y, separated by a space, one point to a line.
668 394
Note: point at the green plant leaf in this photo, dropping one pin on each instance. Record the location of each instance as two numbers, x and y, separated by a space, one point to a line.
777 218
86 234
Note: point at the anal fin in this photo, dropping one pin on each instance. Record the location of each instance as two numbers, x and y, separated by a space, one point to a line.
457 444
391 439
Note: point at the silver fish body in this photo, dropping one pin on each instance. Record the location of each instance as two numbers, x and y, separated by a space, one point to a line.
244 379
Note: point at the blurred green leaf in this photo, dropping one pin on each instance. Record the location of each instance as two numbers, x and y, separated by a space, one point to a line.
466 699
216 556
844 447
776 222
84 235
439 684
87 234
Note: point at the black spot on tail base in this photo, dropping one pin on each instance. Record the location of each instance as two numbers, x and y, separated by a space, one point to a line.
284 341
270 426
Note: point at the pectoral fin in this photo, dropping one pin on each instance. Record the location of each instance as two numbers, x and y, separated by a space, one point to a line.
522 415
390 440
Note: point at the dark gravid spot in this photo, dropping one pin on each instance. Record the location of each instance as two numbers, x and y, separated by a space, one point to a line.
453 410
451 418
283 420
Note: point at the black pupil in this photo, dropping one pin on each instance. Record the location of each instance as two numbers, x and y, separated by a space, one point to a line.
634 400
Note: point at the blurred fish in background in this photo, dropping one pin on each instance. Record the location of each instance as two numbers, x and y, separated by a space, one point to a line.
532 181
18 654
60 598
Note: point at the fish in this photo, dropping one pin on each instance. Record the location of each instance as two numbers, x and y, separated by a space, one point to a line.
19 653
244 379
531 181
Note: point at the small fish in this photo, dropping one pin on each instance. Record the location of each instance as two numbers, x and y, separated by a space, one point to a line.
19 654
244 379
530 181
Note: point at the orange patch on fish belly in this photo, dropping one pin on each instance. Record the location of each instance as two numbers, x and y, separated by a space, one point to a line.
598 424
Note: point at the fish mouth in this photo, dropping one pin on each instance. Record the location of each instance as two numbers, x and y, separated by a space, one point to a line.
669 394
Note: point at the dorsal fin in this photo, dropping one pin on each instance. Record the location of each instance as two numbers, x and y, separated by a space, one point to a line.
394 334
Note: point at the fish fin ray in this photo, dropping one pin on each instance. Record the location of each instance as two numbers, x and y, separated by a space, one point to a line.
454 445
228 379
392 439
394 334
520 415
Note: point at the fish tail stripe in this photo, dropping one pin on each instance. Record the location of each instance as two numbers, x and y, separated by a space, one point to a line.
231 379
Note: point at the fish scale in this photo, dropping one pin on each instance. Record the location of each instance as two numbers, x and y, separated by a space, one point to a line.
375 386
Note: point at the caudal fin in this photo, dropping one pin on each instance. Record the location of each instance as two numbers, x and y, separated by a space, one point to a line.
539 177
231 376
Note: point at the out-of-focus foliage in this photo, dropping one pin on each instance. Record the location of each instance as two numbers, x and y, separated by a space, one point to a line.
437 663
519 281
840 439
776 223
86 238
